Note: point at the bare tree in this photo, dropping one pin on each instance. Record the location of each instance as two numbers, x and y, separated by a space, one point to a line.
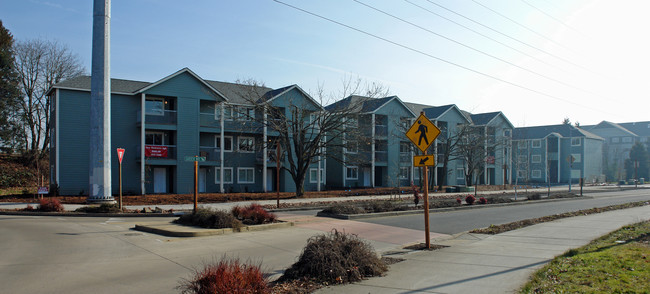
304 129
41 64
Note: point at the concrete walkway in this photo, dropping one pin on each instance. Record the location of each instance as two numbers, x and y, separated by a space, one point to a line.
502 263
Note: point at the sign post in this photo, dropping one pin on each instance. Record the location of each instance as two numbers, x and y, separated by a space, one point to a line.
196 160
120 155
422 133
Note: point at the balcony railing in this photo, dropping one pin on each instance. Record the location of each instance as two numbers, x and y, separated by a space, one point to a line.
210 153
208 120
381 156
168 117
404 157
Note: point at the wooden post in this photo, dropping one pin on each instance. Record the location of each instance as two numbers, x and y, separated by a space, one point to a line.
196 182
425 195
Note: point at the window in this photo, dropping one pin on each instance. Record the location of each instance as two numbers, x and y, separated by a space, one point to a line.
246 144
417 173
404 147
352 147
228 112
576 157
521 174
506 133
351 122
405 122
575 142
627 139
246 113
351 173
537 174
154 106
245 175
522 159
523 144
154 138
460 174
313 175
615 139
227 142
227 175
537 158
643 139
313 120
537 143
404 172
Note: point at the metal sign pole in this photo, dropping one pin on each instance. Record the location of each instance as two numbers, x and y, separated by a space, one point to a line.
196 183
426 206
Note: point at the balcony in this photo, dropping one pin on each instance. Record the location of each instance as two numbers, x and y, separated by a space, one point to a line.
381 156
405 157
381 130
209 120
210 153
168 117
271 158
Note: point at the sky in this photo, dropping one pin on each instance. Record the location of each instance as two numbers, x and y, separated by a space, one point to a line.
537 61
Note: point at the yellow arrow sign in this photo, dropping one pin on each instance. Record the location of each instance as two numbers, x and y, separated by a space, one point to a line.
423 132
424 160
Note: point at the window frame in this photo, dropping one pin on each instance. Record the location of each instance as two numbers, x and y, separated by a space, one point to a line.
408 172
313 175
217 173
538 172
154 99
245 169
162 138
536 142
350 168
576 140
240 138
217 142
534 160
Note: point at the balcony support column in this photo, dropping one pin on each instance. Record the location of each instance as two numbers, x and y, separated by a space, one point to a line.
223 141
372 151
142 142
265 153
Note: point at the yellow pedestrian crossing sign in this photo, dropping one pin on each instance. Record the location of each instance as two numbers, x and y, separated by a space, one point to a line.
423 132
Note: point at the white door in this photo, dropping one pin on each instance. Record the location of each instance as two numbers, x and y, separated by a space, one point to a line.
366 177
160 180
202 177
269 180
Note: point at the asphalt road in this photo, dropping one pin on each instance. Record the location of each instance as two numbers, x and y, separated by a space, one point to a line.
464 220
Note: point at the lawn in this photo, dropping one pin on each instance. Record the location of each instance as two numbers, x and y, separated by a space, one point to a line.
615 263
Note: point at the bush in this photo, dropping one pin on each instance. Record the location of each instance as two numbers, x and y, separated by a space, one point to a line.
50 204
493 200
343 208
535 196
443 203
209 218
253 214
336 257
29 208
459 200
226 276
103 208
482 200
470 199
384 206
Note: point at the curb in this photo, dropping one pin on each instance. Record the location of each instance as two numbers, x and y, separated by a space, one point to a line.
175 230
83 214
445 209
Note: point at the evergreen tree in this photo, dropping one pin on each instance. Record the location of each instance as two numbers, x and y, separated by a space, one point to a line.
9 93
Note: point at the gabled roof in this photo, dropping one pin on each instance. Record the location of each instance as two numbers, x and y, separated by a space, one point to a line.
273 94
365 104
239 93
417 108
610 125
483 119
641 128
434 113
117 85
182 71
541 132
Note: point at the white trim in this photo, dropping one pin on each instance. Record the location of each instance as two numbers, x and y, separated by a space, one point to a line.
301 91
142 143
57 147
187 70
88 90
532 158
536 142
372 151
222 142
538 172
252 146
218 171
316 180
351 167
240 169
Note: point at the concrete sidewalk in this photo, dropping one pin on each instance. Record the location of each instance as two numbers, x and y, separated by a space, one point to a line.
500 263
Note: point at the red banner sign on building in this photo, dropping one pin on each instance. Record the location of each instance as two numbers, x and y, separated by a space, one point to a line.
155 151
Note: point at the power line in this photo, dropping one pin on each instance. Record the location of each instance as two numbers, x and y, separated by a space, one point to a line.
515 39
485 36
476 50
550 16
435 57
522 25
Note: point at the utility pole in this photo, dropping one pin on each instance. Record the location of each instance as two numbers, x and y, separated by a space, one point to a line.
100 107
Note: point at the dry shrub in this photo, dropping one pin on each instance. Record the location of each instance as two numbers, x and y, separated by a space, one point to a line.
50 205
384 206
336 257
344 208
226 276
209 218
253 214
